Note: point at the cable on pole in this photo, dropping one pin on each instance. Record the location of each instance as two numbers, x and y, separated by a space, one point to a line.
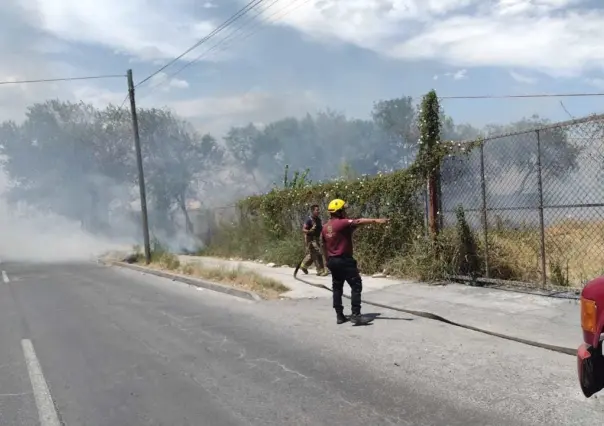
249 6
246 36
49 80
538 95
227 39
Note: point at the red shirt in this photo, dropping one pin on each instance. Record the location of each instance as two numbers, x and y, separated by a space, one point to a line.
337 236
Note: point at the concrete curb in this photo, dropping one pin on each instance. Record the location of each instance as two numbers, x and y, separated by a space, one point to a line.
195 282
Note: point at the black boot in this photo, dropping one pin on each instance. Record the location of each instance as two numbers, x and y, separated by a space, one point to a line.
341 318
358 319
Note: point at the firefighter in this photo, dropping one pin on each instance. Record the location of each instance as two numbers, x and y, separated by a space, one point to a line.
336 237
312 239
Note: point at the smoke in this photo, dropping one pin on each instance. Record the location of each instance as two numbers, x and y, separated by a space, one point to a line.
33 236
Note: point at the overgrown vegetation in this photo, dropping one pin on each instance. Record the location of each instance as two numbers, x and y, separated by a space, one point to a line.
268 225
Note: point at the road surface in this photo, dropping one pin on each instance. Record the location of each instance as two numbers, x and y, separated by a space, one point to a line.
85 344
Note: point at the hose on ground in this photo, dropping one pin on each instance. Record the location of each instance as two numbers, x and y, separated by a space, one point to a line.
429 315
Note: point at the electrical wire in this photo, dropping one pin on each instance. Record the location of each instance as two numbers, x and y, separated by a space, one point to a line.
538 95
249 6
230 36
124 101
49 80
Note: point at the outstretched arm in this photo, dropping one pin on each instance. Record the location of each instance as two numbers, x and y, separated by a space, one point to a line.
367 221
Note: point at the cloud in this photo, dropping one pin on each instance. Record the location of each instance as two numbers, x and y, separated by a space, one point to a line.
521 78
99 97
162 82
178 84
458 75
22 52
556 37
147 30
217 114
596 82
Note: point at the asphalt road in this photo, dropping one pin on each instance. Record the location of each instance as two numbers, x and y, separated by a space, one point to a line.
103 346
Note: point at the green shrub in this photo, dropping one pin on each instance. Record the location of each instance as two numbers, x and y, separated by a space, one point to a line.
426 259
288 251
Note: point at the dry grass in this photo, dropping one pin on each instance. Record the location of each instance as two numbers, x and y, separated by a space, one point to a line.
240 277
574 252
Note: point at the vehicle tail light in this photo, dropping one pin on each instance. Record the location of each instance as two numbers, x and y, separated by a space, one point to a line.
588 315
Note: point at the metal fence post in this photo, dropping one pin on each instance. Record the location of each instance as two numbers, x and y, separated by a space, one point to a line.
541 219
485 223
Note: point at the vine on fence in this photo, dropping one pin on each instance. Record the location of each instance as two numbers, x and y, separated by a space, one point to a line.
270 219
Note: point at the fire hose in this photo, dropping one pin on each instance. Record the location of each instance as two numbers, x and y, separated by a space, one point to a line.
431 316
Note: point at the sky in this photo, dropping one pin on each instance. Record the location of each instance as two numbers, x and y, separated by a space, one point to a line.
290 57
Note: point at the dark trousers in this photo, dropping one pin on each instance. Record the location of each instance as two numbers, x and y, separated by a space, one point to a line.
345 269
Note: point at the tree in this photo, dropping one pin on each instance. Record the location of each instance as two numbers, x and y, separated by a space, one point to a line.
174 155
460 171
429 153
519 151
75 160
62 159
242 144
397 119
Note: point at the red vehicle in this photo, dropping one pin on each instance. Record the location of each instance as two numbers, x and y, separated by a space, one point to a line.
590 361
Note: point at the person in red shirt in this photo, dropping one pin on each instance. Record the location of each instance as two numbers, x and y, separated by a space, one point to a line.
336 236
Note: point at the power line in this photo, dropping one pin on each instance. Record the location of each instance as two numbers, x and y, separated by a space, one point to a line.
204 54
124 101
252 4
539 95
49 80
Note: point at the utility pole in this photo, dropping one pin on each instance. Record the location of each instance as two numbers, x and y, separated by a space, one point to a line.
139 163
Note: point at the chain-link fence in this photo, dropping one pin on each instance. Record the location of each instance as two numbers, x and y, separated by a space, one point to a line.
535 200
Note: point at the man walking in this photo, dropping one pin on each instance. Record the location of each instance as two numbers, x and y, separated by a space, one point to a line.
337 248
312 234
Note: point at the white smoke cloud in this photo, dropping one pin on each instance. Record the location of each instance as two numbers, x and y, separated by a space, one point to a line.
33 236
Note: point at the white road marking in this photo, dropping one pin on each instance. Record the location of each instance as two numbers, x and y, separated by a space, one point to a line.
46 408
5 277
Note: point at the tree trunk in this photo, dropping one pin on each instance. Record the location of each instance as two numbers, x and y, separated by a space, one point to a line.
183 208
433 204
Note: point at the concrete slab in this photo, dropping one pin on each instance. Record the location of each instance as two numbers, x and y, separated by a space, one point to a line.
538 318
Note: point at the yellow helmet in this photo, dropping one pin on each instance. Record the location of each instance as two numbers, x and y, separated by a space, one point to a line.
336 205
